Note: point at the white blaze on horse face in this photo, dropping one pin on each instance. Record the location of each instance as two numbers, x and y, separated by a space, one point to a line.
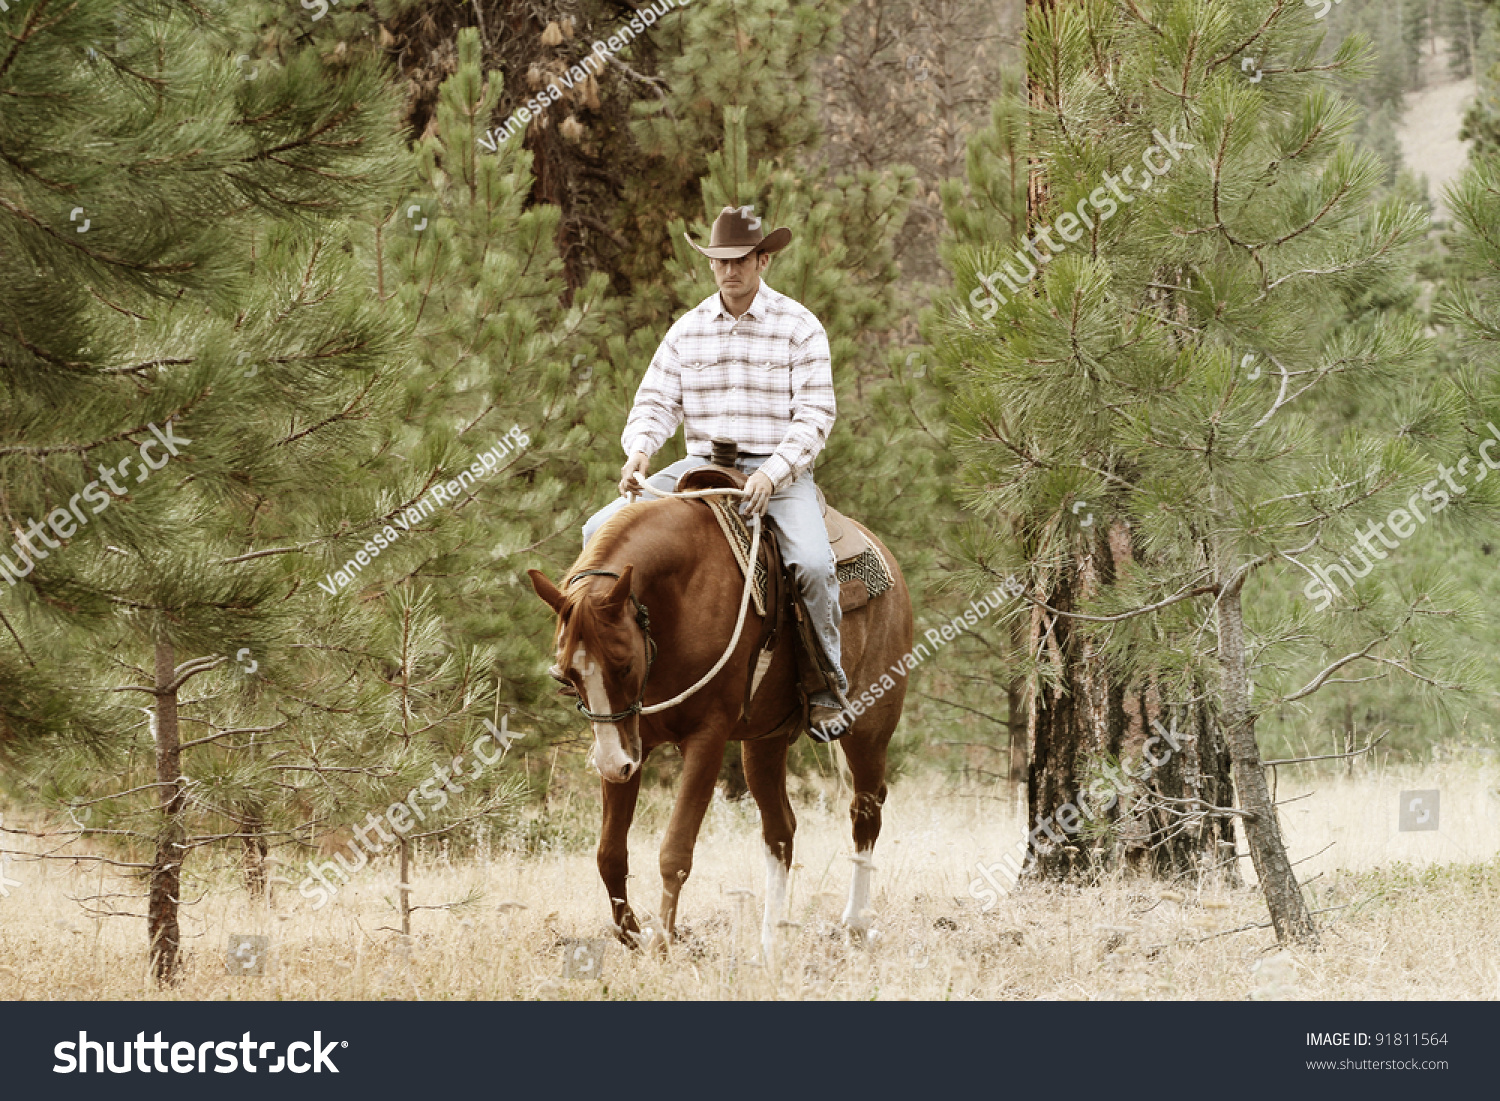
610 758
857 913
775 903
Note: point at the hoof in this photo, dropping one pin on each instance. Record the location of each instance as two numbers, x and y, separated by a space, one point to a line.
627 928
862 921
655 942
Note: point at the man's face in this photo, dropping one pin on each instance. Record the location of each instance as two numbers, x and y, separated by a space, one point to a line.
739 280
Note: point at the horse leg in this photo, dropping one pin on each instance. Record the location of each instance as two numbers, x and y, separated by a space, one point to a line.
614 857
867 765
701 759
765 775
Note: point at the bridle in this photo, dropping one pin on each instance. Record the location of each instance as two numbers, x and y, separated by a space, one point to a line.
642 617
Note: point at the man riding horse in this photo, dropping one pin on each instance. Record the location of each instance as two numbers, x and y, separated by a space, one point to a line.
751 365
650 616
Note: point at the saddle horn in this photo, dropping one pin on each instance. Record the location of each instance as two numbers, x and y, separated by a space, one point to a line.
724 452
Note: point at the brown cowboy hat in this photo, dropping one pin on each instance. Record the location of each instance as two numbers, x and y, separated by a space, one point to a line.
737 233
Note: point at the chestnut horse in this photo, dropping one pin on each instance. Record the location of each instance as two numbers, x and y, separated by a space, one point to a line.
644 613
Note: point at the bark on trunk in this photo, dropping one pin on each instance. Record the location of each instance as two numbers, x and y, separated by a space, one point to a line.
1015 713
1196 770
1036 95
1289 913
405 889
256 850
1083 717
166 867
1073 720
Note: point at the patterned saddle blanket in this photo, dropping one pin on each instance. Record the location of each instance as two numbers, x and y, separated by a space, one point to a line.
861 569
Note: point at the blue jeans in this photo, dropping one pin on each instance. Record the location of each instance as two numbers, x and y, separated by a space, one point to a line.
803 538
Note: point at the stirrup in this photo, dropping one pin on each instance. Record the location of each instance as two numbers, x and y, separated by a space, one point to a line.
835 724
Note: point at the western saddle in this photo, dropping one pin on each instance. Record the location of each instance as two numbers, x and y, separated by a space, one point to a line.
781 595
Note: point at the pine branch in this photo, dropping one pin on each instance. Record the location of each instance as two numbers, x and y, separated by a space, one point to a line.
1327 756
233 731
1134 613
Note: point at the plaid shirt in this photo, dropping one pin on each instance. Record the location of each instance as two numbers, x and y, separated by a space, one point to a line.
764 380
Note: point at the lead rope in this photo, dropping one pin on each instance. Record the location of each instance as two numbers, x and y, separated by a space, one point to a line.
739 623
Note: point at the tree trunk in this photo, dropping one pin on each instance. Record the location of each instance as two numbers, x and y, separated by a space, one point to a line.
405 888
255 852
1471 62
1075 719
256 849
166 867
1289 913
1036 96
1016 725
1196 769
1085 718
1015 697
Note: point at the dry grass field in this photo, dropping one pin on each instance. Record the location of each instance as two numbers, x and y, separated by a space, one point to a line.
1416 915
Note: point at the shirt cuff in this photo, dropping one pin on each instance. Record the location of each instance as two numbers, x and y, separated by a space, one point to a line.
778 470
642 444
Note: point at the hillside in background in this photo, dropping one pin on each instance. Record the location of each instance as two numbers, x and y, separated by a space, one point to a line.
1431 121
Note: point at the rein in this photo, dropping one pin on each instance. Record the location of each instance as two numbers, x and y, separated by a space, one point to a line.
643 617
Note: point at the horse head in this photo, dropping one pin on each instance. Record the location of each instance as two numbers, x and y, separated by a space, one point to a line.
604 650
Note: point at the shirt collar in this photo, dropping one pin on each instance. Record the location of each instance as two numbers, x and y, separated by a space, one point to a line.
759 306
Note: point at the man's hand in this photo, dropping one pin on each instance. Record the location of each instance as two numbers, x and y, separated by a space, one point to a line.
638 462
758 492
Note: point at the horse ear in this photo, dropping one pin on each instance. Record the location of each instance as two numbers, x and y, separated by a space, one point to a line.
546 590
620 591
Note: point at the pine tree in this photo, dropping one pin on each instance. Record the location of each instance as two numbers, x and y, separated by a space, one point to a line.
1159 377
1070 711
880 459
732 128
1471 303
501 365
1482 119
682 73
839 266
988 203
1458 21
754 55
479 469
184 322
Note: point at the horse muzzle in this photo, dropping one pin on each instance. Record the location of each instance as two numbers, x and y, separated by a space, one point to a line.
609 756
